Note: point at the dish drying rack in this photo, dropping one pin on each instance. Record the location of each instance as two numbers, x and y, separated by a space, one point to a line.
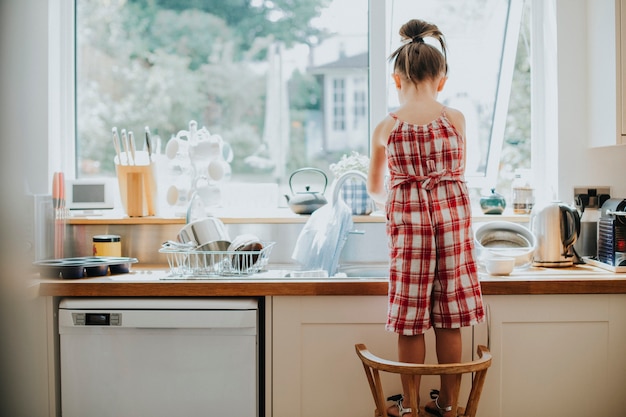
185 261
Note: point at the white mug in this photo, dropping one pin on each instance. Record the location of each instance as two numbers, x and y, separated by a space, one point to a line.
177 195
209 193
218 170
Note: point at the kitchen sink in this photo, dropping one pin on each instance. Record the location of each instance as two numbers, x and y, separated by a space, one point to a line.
365 271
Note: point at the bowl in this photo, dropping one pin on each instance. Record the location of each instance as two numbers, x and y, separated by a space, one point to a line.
505 239
499 265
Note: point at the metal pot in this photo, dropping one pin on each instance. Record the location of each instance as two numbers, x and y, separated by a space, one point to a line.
306 202
207 233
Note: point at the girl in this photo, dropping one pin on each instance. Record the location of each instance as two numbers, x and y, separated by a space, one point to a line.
433 276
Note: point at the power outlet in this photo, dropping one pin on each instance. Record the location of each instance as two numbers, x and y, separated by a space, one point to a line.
591 197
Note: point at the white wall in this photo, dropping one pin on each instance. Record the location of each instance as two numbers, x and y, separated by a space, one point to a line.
25 100
580 164
23 156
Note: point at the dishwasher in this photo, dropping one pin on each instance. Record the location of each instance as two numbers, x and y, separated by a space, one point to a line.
159 357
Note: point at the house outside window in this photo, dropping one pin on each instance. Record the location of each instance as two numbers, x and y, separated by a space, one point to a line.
339 104
360 110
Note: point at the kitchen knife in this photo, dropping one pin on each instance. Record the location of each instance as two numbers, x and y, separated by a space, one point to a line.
148 144
116 145
131 145
125 145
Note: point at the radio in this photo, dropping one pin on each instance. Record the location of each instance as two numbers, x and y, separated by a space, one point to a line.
90 194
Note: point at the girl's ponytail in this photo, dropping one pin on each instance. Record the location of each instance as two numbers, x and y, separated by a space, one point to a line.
416 59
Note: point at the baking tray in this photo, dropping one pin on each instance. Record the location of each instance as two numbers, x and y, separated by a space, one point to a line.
86 266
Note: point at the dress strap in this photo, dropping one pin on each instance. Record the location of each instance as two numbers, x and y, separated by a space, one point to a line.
394 116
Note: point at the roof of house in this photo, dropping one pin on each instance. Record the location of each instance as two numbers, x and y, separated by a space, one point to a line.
359 61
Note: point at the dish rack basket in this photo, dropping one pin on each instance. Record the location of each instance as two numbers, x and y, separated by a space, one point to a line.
190 262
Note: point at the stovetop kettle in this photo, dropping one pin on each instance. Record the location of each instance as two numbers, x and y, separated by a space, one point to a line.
556 226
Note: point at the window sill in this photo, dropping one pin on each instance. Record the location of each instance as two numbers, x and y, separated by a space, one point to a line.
276 216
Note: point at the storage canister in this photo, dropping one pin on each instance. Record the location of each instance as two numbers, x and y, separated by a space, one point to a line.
523 193
107 245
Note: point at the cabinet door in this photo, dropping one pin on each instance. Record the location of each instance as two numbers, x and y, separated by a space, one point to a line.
621 51
315 369
556 355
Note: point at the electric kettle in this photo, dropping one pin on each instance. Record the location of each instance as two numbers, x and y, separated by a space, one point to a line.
556 227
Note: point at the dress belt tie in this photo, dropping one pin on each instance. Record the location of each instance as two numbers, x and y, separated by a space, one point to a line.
429 181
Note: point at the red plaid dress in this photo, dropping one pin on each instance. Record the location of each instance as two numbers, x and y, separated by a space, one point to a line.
433 275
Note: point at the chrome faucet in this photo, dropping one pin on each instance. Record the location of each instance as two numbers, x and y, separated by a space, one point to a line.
345 177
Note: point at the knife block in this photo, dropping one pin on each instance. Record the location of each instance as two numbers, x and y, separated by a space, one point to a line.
138 189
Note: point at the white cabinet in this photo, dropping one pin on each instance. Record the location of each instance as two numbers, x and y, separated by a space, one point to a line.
606 49
621 53
315 370
556 355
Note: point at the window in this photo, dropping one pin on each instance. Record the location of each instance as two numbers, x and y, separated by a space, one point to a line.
339 104
360 103
483 38
289 84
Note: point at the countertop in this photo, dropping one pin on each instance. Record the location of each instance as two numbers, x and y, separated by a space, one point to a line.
154 282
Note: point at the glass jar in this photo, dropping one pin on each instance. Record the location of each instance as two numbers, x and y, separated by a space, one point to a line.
107 245
523 194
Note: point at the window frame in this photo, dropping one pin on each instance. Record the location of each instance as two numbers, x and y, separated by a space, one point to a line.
62 76
380 19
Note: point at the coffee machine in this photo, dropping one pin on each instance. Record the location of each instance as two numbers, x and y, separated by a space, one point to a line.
612 233
588 201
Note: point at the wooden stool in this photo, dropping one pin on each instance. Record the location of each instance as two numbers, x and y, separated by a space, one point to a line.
373 365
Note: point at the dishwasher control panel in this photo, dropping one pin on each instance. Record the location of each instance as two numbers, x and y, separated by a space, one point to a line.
97 319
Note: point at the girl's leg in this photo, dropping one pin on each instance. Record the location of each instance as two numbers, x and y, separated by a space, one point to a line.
411 349
449 349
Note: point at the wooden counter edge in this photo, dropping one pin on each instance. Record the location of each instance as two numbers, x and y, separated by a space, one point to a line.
101 287
204 288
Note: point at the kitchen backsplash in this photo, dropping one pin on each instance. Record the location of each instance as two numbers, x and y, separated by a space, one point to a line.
143 241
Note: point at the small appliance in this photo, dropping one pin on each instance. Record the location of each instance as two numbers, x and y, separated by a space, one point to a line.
588 201
556 226
612 232
90 194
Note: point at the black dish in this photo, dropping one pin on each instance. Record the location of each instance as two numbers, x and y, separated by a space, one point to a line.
78 267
